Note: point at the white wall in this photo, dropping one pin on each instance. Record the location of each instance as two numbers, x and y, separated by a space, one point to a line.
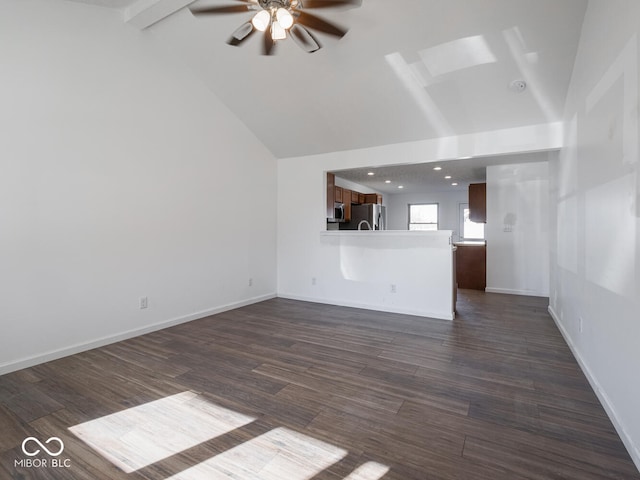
120 178
448 208
403 272
517 229
301 202
595 295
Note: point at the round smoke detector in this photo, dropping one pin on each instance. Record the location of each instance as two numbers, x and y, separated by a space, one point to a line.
518 86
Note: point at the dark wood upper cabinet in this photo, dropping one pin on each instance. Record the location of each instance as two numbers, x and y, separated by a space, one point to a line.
345 196
373 198
478 202
331 185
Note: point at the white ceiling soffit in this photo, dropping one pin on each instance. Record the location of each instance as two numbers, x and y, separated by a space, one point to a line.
432 176
407 70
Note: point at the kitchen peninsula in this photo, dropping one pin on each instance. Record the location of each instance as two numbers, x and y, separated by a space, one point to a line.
399 271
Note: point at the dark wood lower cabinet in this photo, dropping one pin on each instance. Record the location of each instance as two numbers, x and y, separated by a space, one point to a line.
471 266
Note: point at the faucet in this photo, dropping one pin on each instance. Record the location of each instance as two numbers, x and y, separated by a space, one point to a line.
364 221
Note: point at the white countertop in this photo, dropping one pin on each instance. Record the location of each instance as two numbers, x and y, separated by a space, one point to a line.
378 233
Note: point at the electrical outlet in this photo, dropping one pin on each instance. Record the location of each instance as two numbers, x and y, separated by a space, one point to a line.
313 280
144 302
393 288
251 282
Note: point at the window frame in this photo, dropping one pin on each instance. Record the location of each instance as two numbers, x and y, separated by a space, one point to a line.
409 222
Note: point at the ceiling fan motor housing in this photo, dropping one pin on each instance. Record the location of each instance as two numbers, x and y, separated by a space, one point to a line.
275 4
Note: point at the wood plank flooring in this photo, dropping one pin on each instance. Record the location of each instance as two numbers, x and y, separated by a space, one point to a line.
290 390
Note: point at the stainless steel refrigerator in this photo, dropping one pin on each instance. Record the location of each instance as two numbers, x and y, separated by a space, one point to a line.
369 216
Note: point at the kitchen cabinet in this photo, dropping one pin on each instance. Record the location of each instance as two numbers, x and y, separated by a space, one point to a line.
331 185
478 202
471 266
373 198
346 196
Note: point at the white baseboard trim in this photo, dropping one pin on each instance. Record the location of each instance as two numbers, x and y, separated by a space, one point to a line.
632 448
508 291
102 341
379 308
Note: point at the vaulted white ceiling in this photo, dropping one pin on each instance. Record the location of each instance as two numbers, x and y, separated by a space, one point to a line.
407 70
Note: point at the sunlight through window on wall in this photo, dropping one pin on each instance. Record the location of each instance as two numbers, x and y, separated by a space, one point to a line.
142 435
457 55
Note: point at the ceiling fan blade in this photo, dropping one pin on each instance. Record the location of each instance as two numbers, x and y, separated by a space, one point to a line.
224 9
304 39
268 43
241 34
330 3
317 23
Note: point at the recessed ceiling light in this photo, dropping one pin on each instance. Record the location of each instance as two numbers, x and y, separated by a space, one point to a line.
387 181
400 186
371 174
437 168
447 177
454 184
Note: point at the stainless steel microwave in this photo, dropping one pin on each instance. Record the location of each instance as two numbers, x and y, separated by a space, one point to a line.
338 215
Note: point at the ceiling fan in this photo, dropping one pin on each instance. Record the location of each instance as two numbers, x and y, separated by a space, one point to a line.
276 18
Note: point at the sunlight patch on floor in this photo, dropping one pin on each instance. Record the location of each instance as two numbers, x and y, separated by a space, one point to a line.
276 455
368 471
142 435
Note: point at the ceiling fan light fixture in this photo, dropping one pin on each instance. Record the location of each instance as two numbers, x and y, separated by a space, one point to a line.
277 32
261 20
284 17
276 18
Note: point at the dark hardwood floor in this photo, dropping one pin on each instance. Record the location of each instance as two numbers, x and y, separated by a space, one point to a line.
495 394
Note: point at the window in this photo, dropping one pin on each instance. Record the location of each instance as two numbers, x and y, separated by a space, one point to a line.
469 230
423 216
